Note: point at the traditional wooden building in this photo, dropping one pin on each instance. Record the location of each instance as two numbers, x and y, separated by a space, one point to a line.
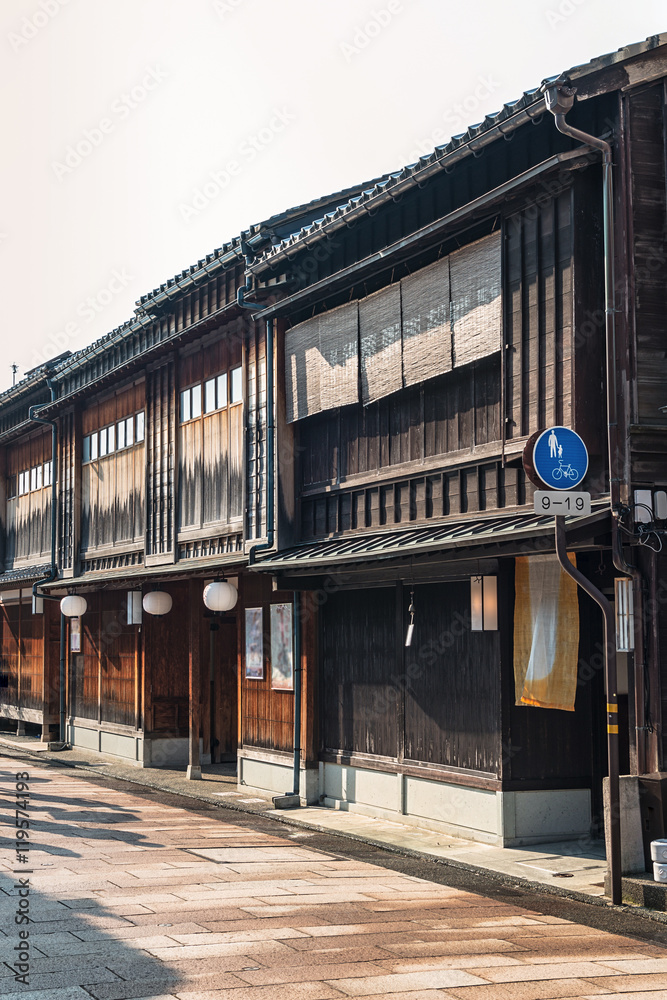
432 327
331 412
158 437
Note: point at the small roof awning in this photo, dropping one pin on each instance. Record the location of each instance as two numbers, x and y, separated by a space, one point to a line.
457 537
25 575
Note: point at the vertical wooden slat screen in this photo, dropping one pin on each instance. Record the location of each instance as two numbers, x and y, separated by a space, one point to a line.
427 338
380 343
321 362
160 459
475 280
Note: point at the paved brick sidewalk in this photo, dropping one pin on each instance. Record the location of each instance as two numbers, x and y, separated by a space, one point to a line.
134 898
582 860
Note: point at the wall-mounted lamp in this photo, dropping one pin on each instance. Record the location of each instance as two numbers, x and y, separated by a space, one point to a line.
484 603
73 606
220 596
625 615
134 607
157 602
411 612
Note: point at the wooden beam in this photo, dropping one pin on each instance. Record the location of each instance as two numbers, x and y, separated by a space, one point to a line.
194 680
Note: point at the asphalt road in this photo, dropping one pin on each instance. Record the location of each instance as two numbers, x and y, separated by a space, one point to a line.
136 893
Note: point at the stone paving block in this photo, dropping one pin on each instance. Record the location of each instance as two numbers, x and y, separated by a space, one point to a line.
216 950
558 990
648 995
232 937
295 974
640 965
439 979
449 962
62 993
566 970
437 946
298 991
412 995
55 981
627 984
311 959
311 944
338 930
142 930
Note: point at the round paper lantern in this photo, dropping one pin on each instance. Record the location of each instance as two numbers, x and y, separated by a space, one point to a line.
157 602
220 596
73 606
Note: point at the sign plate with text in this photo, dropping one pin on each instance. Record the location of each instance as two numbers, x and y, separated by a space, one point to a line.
572 503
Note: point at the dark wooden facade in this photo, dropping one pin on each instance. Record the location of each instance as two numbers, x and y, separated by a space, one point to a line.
163 479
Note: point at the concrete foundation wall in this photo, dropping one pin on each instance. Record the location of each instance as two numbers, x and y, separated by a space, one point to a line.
503 819
132 748
267 775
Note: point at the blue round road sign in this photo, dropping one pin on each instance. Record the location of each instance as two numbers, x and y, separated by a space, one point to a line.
560 458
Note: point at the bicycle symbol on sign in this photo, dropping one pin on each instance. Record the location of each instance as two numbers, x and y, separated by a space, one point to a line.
565 471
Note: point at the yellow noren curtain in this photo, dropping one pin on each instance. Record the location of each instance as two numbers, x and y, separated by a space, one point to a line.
546 633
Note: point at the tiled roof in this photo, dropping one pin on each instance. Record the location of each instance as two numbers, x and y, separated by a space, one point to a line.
341 207
511 115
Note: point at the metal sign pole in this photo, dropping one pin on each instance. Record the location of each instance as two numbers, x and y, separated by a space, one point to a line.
612 707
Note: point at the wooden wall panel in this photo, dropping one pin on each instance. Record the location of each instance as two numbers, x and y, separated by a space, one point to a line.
211 446
102 412
112 500
22 655
28 517
103 676
267 716
166 644
84 667
358 700
10 618
215 464
452 694
646 126
538 315
190 483
118 664
454 412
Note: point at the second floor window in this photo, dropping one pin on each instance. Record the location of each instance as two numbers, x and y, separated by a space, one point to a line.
215 394
123 434
29 480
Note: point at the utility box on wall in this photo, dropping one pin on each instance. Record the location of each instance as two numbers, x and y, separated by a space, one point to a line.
653 810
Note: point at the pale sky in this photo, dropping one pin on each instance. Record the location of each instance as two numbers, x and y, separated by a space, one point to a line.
139 135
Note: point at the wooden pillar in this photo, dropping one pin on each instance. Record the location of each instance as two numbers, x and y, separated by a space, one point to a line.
194 679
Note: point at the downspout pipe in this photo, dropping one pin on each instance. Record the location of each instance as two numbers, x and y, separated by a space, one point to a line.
54 489
270 410
559 99
612 707
297 694
53 575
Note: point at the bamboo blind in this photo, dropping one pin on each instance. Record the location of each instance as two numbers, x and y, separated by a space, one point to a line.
475 280
380 343
427 339
322 362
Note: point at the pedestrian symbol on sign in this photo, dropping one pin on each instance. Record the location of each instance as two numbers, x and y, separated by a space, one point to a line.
560 458
553 444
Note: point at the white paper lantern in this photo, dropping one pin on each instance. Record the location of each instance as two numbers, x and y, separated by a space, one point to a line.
220 596
157 602
73 606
